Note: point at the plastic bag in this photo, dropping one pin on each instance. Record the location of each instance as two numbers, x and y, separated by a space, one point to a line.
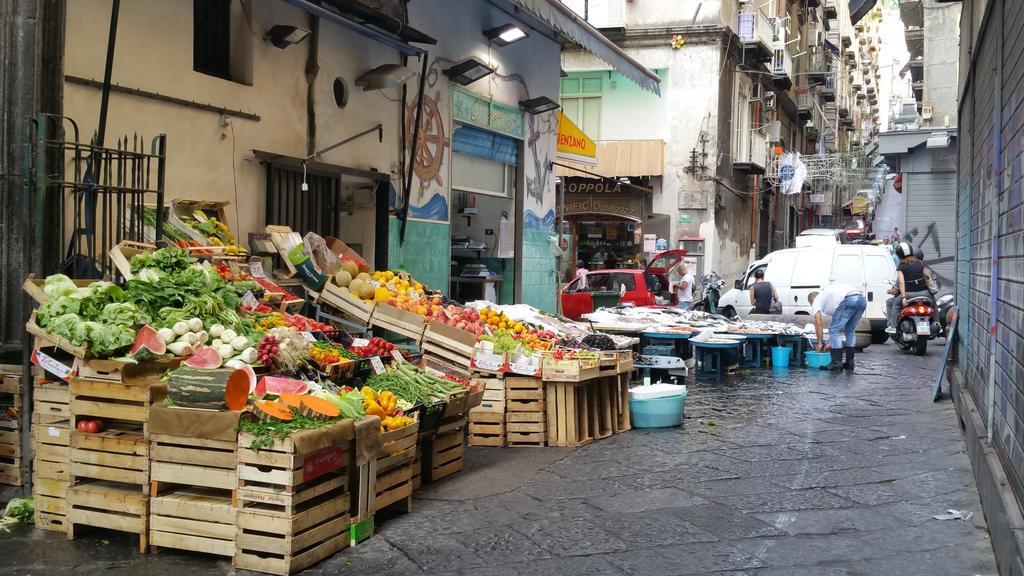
324 261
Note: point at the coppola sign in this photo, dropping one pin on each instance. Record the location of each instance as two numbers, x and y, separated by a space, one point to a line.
622 207
577 185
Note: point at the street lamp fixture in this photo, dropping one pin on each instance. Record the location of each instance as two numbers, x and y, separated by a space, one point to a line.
538 105
505 35
284 35
385 76
468 71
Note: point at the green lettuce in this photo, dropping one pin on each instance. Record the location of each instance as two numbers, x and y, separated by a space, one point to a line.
123 314
58 285
57 306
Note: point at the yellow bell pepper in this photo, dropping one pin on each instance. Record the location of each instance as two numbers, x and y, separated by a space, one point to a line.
369 393
374 409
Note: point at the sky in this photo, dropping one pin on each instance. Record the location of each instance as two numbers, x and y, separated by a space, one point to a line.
892 57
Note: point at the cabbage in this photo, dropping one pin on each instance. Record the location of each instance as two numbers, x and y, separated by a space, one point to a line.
58 285
149 275
66 326
122 313
108 340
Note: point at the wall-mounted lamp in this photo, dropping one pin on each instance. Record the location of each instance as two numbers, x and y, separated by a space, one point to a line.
468 71
538 105
505 35
284 35
385 76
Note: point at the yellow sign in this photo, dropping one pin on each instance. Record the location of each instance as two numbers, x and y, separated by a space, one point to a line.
859 205
573 144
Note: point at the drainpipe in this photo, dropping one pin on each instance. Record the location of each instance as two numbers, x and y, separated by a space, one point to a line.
993 322
312 71
404 212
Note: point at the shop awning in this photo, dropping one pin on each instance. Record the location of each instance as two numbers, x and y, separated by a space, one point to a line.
620 158
860 9
561 18
365 28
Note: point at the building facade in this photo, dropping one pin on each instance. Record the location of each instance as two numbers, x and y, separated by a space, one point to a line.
752 92
987 372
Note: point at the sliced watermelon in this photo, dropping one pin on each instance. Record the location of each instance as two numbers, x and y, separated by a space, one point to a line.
206 357
278 384
148 344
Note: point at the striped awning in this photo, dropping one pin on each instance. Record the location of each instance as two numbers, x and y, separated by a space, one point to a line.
620 158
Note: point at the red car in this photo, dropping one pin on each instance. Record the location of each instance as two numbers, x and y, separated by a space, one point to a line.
637 287
856 228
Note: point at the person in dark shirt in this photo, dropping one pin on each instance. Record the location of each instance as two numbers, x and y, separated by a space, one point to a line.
911 281
762 293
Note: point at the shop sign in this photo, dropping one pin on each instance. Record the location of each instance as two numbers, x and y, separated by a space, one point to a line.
685 218
579 185
661 245
573 144
477 110
650 241
622 207
816 198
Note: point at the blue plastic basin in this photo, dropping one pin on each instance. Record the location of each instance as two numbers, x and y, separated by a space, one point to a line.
817 359
780 355
657 412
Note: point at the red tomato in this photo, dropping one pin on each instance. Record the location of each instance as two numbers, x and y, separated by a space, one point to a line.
99 425
92 426
82 425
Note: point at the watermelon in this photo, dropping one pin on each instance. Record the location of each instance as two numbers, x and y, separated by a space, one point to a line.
148 344
206 357
278 384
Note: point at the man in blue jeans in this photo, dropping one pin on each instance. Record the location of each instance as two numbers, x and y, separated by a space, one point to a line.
845 305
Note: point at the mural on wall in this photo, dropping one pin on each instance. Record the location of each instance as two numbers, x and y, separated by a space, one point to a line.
539 204
429 192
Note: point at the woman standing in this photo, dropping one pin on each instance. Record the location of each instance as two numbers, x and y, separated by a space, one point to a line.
762 293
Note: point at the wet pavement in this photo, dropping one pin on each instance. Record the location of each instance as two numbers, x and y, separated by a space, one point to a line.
803 473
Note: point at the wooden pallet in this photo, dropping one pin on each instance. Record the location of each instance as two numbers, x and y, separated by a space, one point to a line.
446 451
190 461
108 505
568 414
285 544
450 343
196 519
486 427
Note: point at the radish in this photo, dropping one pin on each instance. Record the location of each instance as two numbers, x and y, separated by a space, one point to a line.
195 324
166 334
180 348
228 335
180 328
248 355
216 330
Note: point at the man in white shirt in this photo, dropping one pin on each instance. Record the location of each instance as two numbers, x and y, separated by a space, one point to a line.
683 286
845 305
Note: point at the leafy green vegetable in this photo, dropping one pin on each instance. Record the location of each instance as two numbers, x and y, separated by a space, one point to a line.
168 260
100 294
265 432
58 306
124 314
58 285
18 510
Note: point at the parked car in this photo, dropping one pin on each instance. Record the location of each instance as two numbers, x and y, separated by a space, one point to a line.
821 237
637 287
797 272
856 229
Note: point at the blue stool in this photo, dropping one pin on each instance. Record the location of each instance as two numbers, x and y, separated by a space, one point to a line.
712 359
797 345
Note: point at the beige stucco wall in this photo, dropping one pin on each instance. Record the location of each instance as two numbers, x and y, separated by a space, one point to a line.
154 53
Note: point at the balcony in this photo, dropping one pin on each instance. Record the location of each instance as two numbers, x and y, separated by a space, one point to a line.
828 7
782 70
804 103
757 33
914 36
846 40
916 69
818 67
751 152
828 89
813 3
912 12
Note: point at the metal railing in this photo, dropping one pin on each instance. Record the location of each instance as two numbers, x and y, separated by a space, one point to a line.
756 27
751 147
782 64
805 99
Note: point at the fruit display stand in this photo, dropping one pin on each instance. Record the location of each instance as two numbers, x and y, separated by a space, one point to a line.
10 424
294 499
193 480
109 474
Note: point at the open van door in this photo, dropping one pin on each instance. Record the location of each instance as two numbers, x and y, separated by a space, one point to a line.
661 266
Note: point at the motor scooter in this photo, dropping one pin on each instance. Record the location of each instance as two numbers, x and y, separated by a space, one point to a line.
711 288
916 325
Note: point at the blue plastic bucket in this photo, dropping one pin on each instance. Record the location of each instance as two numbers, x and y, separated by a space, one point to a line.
817 359
657 412
780 355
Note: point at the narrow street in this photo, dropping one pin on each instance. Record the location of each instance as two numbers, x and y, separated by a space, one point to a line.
802 474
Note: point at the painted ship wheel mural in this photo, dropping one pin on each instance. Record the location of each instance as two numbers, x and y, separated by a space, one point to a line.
431 142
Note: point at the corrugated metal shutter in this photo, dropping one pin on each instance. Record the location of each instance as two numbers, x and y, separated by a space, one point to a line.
930 224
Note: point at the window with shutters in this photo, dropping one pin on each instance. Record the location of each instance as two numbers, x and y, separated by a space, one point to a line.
581 102
741 120
222 40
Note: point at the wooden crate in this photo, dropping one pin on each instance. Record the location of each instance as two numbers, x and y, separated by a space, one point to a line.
277 479
449 342
486 427
51 402
127 400
394 468
446 451
578 370
197 462
285 544
346 303
196 519
114 455
568 414
108 505
398 321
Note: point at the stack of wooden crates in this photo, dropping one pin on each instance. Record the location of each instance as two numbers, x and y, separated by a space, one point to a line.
10 424
525 416
487 421
51 451
109 474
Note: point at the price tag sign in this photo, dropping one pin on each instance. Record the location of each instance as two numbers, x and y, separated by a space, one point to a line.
414 295
373 283
250 301
360 342
256 268
308 336
53 366
53 432
397 356
378 366
391 286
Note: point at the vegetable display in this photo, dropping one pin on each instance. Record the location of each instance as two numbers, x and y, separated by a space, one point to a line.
412 384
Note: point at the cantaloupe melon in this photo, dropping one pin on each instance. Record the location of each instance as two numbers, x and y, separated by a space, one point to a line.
355 286
350 267
363 276
343 278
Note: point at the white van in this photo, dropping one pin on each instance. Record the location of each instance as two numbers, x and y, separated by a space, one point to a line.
797 272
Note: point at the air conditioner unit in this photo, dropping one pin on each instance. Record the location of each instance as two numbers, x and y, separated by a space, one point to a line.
768 101
755 93
926 112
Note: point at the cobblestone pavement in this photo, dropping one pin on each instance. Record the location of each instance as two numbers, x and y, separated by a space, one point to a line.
794 474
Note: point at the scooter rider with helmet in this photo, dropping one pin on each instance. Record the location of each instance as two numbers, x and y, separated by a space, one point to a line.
912 280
